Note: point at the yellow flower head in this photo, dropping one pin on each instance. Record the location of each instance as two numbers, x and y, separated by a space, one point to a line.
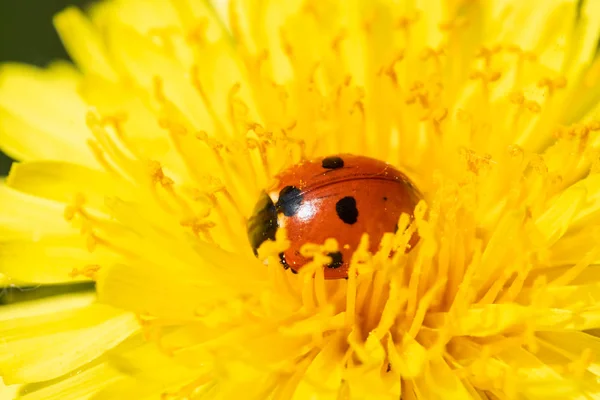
140 165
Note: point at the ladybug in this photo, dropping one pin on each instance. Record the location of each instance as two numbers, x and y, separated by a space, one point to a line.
341 197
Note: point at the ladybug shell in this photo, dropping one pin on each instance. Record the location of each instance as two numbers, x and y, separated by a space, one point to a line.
338 197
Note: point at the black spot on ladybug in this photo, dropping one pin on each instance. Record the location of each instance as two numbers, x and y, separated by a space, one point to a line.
293 271
384 198
336 260
262 225
283 261
346 210
332 162
289 201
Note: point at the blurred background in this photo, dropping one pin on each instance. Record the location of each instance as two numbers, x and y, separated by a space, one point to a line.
27 35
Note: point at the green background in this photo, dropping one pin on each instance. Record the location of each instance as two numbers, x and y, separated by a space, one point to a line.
27 35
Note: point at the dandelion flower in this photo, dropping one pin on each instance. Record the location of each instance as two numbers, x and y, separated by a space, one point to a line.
140 165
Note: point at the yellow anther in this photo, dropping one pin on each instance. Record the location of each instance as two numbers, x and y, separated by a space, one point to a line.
330 245
209 141
198 224
533 106
198 33
358 106
475 162
157 174
70 212
89 271
416 85
515 151
580 131
405 21
552 84
116 120
516 98
238 109
311 250
487 53
337 41
91 242
172 126
420 210
390 70
75 207
430 52
256 128
252 143
493 76
271 249
485 76
202 135
538 164
285 44
522 54
158 89
561 132
439 114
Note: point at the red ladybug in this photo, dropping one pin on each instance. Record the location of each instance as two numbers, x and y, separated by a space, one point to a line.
339 197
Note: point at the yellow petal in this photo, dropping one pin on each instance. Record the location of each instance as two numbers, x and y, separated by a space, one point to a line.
147 373
571 248
535 25
144 62
583 39
27 217
446 384
49 125
48 338
133 365
84 43
590 210
140 127
536 379
191 289
560 214
574 346
83 383
52 259
63 182
8 392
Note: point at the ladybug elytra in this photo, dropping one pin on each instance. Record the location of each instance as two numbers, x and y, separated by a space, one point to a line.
339 197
